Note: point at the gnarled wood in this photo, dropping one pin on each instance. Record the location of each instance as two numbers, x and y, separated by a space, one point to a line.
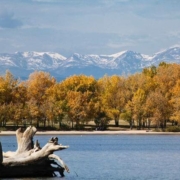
30 160
25 139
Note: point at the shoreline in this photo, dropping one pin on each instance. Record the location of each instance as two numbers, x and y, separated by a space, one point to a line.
129 132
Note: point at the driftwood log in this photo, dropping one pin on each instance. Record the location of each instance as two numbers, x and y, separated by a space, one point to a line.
30 160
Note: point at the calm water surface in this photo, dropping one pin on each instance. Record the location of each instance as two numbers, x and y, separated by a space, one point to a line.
114 157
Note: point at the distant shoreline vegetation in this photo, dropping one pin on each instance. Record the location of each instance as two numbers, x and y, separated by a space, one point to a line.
150 99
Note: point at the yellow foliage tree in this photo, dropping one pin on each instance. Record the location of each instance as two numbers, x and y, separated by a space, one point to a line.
175 102
114 94
80 95
158 108
37 86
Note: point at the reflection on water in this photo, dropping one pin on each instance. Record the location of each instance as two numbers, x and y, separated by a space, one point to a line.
114 157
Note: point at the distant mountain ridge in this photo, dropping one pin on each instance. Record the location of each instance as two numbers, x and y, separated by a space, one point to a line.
21 64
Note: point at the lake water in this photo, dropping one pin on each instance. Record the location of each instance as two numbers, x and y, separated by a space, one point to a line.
114 157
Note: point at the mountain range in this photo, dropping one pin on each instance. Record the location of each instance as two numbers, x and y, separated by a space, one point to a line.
21 64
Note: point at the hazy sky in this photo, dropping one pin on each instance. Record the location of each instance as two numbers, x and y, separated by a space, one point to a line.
89 26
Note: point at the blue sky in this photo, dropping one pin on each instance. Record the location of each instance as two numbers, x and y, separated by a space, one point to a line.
89 26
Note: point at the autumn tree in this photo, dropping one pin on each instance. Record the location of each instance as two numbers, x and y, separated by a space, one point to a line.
80 94
101 116
175 102
150 71
137 104
115 94
58 102
166 77
158 108
37 85
7 85
140 85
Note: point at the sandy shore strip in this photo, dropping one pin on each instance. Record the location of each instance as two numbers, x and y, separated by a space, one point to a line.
128 132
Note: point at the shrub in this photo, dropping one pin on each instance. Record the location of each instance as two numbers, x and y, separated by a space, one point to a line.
173 129
65 127
79 127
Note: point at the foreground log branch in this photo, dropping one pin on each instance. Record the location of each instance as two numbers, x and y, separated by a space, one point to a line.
30 160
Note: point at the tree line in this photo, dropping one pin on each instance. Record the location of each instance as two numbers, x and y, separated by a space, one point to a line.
142 99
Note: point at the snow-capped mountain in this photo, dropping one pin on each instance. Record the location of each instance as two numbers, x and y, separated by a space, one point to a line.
21 64
32 60
171 55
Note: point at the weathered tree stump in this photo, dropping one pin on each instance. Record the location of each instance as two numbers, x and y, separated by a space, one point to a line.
30 160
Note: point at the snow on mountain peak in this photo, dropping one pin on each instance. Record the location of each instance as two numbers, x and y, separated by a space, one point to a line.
41 54
146 57
114 56
56 56
27 54
171 49
173 53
